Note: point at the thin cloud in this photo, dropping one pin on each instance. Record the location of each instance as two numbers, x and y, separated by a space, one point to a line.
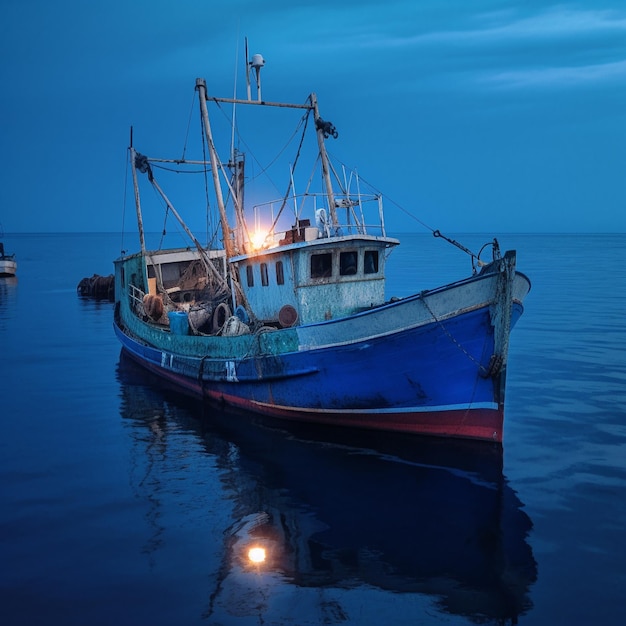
558 47
514 48
555 24
558 76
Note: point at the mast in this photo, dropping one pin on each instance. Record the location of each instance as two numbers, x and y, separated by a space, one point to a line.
325 166
228 243
133 155
236 165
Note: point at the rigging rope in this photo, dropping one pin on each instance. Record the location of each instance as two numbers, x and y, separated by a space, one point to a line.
193 101
436 233
484 372
304 118
164 232
176 170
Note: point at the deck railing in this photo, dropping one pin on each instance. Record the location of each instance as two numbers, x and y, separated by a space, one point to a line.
360 214
136 297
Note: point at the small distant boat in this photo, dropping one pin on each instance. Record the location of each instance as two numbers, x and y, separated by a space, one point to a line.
8 264
292 321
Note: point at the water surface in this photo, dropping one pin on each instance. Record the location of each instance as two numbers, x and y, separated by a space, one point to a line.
125 503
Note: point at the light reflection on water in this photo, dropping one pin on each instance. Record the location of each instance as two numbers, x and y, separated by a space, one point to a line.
340 514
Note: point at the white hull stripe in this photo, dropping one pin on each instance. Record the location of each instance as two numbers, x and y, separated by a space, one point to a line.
416 409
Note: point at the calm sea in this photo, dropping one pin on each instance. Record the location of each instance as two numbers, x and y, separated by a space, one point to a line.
125 503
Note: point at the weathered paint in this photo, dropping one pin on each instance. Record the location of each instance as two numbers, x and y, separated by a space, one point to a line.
426 378
314 298
472 420
416 365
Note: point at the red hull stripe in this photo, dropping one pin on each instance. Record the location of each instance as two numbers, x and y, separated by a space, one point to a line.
472 422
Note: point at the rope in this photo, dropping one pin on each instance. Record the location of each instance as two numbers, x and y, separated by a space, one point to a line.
380 193
176 170
485 372
193 100
249 151
164 231
304 118
434 231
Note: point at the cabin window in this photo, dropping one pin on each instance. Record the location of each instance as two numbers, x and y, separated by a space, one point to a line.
264 278
348 263
250 275
280 273
371 262
321 265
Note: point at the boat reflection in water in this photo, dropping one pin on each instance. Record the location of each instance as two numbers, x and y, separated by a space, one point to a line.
316 509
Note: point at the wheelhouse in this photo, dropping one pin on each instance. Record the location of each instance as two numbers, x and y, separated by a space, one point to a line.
316 280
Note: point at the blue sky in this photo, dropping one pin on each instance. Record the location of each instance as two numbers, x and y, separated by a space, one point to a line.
485 116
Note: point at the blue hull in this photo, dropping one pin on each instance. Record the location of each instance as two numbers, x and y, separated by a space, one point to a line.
416 380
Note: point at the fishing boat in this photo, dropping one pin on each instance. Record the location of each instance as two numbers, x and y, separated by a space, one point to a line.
8 264
285 314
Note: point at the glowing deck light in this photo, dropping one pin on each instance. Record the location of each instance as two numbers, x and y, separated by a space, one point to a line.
258 239
256 555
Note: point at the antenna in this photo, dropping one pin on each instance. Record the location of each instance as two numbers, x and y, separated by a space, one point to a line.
247 71
256 63
232 140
